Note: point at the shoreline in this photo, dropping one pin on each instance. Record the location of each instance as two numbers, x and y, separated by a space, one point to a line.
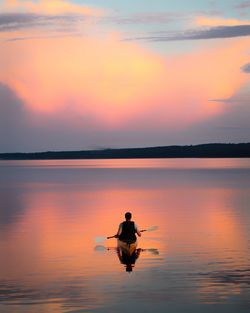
213 150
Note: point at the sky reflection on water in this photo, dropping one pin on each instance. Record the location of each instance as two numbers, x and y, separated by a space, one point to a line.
51 212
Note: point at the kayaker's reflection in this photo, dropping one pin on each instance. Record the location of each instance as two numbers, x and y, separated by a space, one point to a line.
127 259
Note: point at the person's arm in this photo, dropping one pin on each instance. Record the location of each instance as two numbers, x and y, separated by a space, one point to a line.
137 230
119 231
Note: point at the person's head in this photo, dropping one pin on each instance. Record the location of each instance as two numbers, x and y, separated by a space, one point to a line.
128 216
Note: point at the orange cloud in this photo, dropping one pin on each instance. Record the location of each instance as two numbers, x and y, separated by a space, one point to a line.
104 78
219 21
48 7
116 83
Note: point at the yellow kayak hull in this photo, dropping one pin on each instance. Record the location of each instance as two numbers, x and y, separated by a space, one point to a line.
129 249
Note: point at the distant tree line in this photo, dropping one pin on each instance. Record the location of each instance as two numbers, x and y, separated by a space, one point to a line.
213 150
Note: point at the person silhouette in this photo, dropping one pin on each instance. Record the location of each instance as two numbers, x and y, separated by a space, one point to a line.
127 230
127 242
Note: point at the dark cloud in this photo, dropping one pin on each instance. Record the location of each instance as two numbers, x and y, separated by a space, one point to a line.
220 100
147 17
157 17
12 119
11 109
23 131
228 100
246 68
19 38
199 34
243 5
15 21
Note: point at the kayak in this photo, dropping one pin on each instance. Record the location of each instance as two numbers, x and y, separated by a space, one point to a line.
129 249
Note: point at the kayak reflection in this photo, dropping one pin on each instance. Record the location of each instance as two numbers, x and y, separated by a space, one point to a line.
127 255
128 259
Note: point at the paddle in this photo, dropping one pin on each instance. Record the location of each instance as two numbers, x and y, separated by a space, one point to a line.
153 228
101 248
101 239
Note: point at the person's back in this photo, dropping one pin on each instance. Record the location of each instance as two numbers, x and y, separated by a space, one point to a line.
128 232
128 229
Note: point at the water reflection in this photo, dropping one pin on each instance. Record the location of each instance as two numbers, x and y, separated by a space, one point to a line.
219 286
56 297
127 259
51 212
11 206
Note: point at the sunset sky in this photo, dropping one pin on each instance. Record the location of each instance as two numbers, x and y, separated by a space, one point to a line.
108 73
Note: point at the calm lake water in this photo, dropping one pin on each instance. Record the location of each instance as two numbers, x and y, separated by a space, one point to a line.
197 261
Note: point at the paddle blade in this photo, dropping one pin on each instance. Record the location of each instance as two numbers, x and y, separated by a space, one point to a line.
153 228
100 239
100 248
153 251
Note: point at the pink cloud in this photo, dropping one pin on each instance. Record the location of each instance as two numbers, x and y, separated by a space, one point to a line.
116 83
